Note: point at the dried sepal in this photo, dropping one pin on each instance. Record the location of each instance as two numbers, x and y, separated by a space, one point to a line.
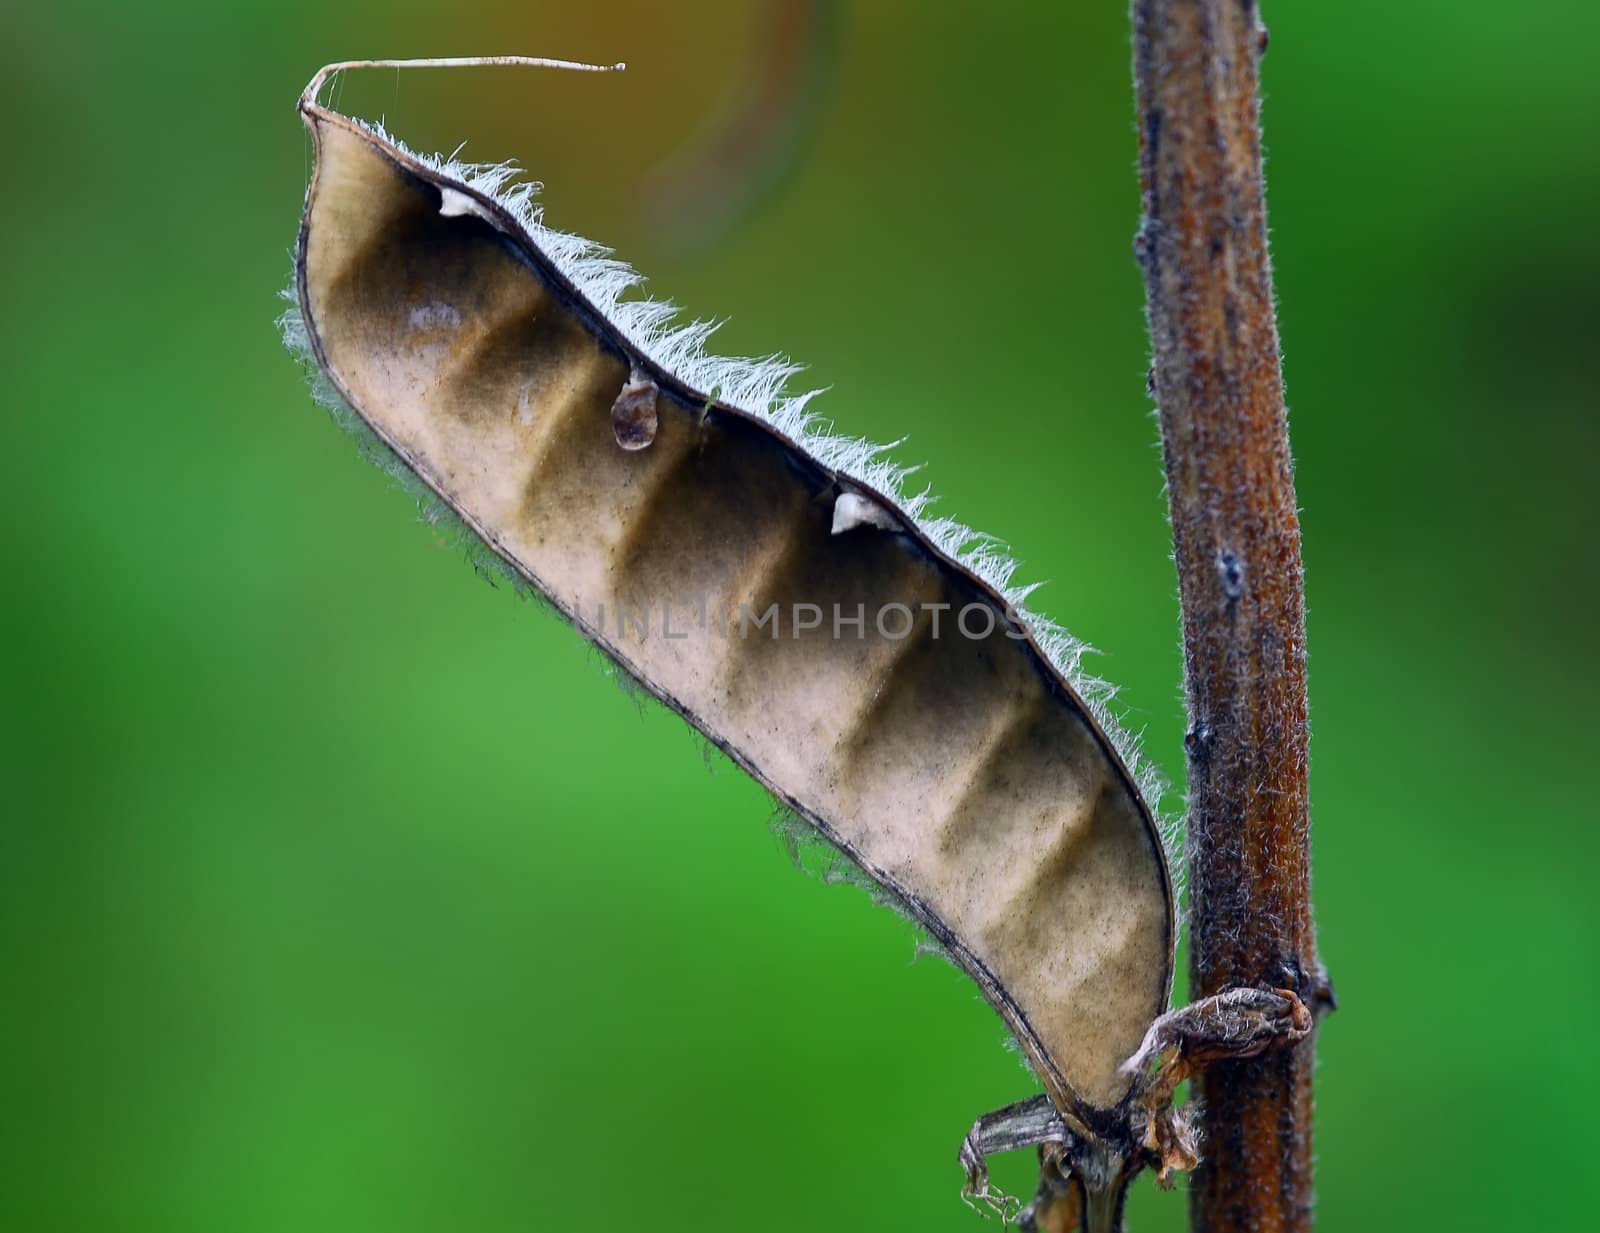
1170 1142
1028 1123
1236 1023
1233 1024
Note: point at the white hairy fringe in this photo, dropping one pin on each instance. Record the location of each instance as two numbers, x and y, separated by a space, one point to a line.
757 386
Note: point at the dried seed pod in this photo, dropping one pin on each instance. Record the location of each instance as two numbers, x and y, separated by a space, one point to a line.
931 729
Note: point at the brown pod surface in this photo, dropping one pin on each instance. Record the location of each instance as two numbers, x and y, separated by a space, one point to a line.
953 762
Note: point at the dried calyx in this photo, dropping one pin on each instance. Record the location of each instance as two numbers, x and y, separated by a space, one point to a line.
1085 1172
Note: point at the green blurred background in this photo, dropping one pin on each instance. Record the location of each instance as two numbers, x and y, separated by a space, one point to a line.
326 901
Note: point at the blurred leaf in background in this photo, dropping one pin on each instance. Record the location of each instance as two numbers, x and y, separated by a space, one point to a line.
323 903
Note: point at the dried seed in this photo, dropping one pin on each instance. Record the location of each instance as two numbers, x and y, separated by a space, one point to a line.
634 418
852 510
453 203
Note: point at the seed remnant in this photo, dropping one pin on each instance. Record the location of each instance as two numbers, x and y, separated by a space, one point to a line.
852 510
633 415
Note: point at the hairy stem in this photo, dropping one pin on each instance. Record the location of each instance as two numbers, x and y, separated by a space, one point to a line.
1218 381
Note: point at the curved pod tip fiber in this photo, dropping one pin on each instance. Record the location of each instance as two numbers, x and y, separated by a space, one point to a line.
614 466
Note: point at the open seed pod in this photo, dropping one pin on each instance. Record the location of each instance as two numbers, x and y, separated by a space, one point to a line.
863 662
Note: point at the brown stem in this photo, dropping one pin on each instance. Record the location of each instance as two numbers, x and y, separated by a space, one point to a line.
1219 384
